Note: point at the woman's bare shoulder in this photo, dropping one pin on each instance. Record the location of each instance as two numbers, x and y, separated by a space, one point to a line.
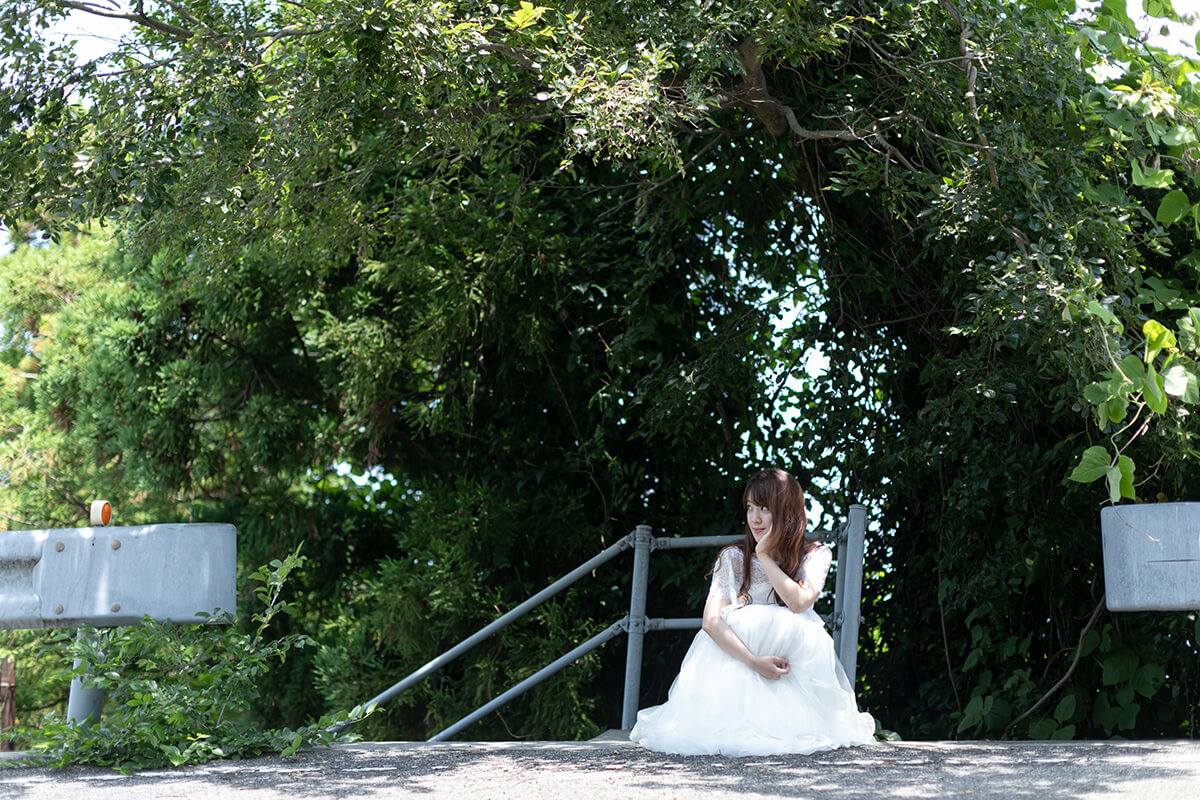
820 550
730 554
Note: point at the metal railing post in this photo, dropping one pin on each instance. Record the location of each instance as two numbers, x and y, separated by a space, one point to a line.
84 706
642 542
613 550
850 589
839 593
612 631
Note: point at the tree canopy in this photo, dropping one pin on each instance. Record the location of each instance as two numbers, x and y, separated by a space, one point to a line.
536 266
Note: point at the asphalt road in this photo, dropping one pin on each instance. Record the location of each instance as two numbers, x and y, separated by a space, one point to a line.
610 768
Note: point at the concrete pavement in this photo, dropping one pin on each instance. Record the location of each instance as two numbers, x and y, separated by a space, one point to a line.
610 768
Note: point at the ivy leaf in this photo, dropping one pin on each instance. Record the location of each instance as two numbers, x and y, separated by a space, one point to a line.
1181 382
1187 334
1042 728
1094 464
1122 120
1064 733
1113 477
1065 709
1101 312
1147 679
1098 393
1158 338
1119 667
1134 372
1173 207
1180 134
1154 179
1125 467
1152 390
972 714
1114 409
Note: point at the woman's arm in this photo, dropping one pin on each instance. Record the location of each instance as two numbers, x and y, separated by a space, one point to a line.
796 595
770 667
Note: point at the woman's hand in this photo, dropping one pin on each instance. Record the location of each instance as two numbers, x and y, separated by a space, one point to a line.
770 667
795 594
762 547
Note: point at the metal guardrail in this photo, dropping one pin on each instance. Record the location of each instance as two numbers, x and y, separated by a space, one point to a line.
105 577
843 622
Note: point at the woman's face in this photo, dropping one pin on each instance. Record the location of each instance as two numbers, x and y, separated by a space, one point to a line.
758 520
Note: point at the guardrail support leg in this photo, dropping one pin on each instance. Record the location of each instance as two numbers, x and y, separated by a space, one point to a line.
642 542
83 705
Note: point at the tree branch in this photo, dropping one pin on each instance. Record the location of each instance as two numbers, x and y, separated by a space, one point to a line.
968 61
141 19
1071 669
780 119
507 50
184 33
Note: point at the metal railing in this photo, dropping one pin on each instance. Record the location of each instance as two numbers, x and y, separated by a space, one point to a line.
843 622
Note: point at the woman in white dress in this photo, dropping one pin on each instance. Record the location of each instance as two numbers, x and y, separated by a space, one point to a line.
761 677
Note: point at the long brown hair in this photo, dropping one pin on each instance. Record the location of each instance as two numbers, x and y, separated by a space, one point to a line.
784 498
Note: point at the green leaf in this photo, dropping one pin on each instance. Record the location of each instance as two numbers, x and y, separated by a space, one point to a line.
1121 120
1094 464
1125 467
1098 393
1173 207
1065 709
1119 667
1101 312
1180 134
1042 728
1113 478
1160 8
1134 372
525 15
1147 679
1152 390
1158 338
1180 381
1115 409
1191 395
1154 179
972 714
1065 732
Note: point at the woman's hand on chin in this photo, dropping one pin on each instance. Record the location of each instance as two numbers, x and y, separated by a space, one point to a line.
762 548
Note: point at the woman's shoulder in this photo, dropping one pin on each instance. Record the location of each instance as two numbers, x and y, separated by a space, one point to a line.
820 551
731 553
730 557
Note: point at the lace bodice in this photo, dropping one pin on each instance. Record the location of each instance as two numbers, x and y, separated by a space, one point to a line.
727 575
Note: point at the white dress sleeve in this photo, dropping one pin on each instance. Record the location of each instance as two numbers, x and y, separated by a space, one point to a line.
727 576
815 566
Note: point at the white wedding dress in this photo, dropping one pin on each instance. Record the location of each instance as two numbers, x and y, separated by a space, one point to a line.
719 705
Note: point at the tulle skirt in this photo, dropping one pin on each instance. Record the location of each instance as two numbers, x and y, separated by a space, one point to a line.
719 705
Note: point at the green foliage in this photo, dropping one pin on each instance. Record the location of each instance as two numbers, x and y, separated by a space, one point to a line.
442 586
534 266
179 695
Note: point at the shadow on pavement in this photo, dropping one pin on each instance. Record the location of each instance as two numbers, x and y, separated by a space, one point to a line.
614 769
